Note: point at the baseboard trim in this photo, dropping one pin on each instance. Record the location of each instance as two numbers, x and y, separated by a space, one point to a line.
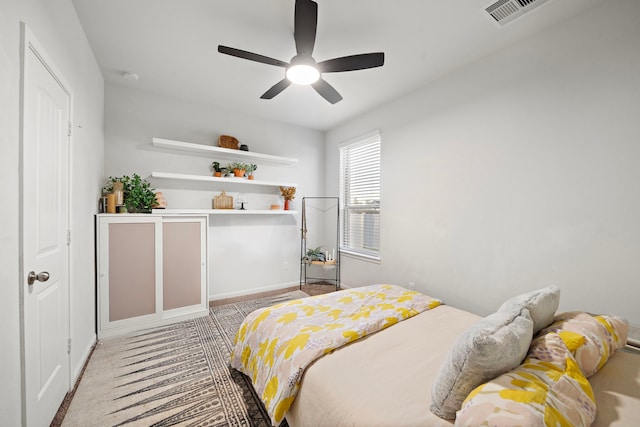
253 291
84 359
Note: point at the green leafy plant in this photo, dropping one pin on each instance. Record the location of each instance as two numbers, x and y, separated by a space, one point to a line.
108 185
237 165
250 169
314 254
238 168
217 168
138 194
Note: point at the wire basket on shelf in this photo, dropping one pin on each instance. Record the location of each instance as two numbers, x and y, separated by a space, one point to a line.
227 141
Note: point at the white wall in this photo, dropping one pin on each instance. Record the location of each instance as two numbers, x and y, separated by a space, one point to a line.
516 172
55 24
247 253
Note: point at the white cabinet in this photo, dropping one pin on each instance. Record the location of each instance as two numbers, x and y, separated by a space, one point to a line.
152 270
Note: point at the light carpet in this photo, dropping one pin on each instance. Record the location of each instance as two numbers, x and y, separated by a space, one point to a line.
172 375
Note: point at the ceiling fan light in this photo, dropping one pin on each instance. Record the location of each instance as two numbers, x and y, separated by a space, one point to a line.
303 74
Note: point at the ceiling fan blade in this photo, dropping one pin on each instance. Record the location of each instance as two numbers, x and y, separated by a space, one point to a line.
251 56
276 89
352 63
327 91
306 22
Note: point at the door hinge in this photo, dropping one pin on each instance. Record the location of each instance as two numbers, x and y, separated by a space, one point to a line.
68 237
69 346
69 128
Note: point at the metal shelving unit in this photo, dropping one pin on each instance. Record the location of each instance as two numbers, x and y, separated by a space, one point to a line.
319 227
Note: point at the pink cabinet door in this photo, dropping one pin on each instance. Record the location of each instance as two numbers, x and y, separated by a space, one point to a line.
181 264
132 266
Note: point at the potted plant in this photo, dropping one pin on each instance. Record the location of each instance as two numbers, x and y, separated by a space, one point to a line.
250 169
217 170
314 254
138 194
238 168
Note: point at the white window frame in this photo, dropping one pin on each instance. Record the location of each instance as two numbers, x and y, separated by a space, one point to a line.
360 251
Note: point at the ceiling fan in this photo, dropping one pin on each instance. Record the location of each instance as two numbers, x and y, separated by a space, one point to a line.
303 68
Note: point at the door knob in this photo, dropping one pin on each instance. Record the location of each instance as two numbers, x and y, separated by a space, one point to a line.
43 276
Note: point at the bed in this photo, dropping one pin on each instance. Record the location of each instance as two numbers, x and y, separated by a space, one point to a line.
386 378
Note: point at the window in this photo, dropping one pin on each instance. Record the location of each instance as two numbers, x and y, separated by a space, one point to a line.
360 195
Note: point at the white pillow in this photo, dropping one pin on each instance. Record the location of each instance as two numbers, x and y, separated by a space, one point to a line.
542 305
495 345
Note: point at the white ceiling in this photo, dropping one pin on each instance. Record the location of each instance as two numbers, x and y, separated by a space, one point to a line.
172 46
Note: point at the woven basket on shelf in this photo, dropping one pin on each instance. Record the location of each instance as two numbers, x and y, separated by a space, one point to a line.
226 141
223 201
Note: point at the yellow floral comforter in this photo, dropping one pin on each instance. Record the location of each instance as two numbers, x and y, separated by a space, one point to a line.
274 345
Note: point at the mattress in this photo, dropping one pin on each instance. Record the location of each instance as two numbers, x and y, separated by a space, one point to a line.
385 379
617 390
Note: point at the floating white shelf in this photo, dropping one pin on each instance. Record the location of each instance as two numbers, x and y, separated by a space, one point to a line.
201 178
223 212
219 152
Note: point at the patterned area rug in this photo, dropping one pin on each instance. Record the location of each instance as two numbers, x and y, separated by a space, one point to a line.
172 375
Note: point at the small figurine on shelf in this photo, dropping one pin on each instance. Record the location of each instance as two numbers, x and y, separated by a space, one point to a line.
161 202
288 193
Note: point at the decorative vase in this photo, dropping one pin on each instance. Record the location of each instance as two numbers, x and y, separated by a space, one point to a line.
286 204
111 203
118 190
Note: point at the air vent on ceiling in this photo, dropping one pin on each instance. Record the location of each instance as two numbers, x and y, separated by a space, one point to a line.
505 11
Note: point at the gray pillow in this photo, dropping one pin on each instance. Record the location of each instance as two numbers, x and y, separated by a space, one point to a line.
542 305
495 345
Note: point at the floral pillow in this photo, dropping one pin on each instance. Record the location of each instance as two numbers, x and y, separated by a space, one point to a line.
551 386
591 339
553 392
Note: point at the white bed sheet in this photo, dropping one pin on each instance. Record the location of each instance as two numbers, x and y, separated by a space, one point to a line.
385 379
617 390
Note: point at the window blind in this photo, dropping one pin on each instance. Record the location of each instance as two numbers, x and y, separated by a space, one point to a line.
360 195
